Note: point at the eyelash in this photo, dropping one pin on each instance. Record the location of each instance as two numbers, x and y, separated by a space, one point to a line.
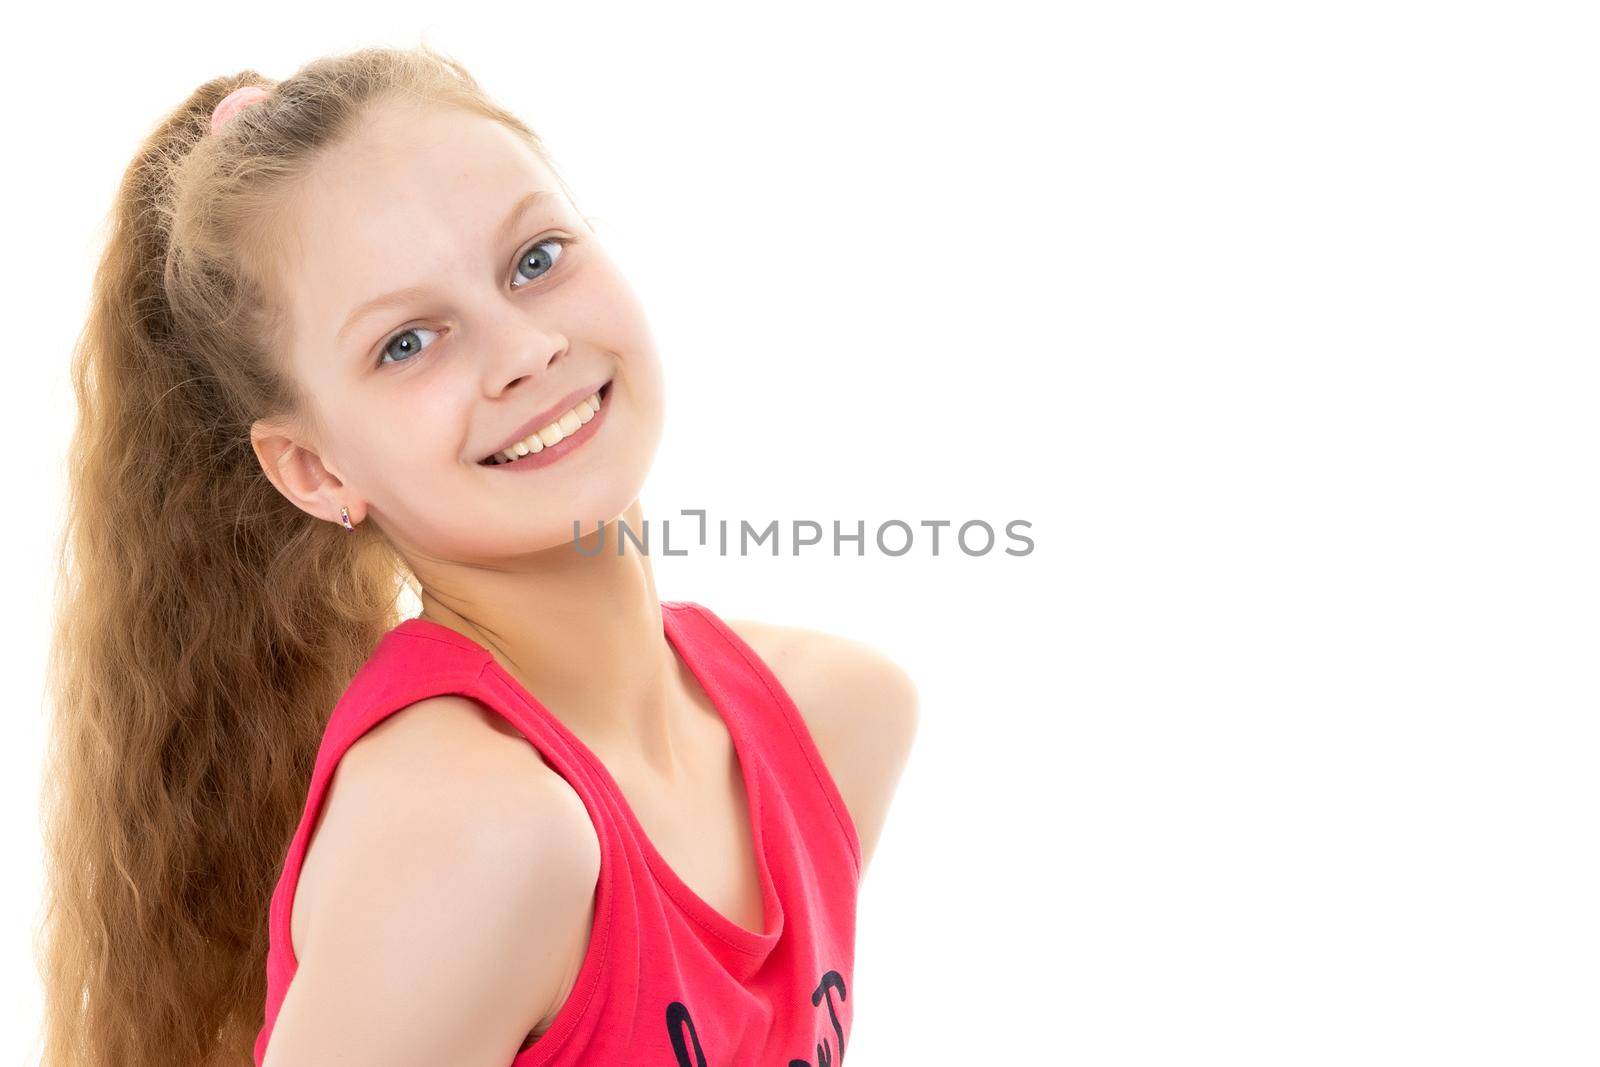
562 242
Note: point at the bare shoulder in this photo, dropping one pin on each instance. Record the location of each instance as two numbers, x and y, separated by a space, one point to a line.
860 707
446 900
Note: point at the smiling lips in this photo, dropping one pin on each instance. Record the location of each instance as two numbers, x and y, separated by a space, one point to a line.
557 430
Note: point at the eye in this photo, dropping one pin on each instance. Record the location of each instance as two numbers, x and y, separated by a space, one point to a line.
406 344
539 259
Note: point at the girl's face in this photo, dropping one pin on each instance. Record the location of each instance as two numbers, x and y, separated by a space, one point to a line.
446 299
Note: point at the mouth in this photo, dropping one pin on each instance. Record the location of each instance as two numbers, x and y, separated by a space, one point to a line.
559 433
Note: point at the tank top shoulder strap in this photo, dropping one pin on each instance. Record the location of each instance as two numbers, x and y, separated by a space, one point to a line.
767 712
409 664
413 661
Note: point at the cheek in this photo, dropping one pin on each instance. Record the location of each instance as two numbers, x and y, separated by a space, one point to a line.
610 315
406 435
627 333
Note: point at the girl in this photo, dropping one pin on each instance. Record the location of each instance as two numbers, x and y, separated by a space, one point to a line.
350 333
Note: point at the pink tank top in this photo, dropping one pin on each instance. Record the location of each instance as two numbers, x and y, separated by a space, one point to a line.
666 979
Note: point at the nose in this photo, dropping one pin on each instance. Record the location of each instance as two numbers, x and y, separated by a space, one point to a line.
521 351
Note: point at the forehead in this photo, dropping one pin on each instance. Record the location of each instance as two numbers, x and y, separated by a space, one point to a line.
414 194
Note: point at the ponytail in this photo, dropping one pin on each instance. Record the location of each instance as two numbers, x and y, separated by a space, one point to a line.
204 626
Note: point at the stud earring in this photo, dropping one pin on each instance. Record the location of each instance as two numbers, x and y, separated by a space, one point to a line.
344 517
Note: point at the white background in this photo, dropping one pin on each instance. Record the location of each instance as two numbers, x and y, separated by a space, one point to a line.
1276 321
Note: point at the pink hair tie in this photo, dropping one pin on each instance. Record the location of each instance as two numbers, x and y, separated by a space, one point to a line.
234 103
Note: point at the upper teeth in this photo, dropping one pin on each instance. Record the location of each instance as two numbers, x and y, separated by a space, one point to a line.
567 423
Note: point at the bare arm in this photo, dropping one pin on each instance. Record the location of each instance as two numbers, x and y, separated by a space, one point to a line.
452 902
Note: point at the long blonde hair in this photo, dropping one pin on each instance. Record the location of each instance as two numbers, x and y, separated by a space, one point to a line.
204 626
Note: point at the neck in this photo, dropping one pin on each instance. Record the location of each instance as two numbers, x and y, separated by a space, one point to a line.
583 634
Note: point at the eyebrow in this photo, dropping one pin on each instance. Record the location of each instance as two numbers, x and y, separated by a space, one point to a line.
389 301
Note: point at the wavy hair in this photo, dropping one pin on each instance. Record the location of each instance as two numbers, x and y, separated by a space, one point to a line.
203 625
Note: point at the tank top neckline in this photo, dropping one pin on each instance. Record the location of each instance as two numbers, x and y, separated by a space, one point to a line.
714 922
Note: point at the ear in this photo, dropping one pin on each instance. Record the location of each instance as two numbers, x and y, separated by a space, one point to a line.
299 474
